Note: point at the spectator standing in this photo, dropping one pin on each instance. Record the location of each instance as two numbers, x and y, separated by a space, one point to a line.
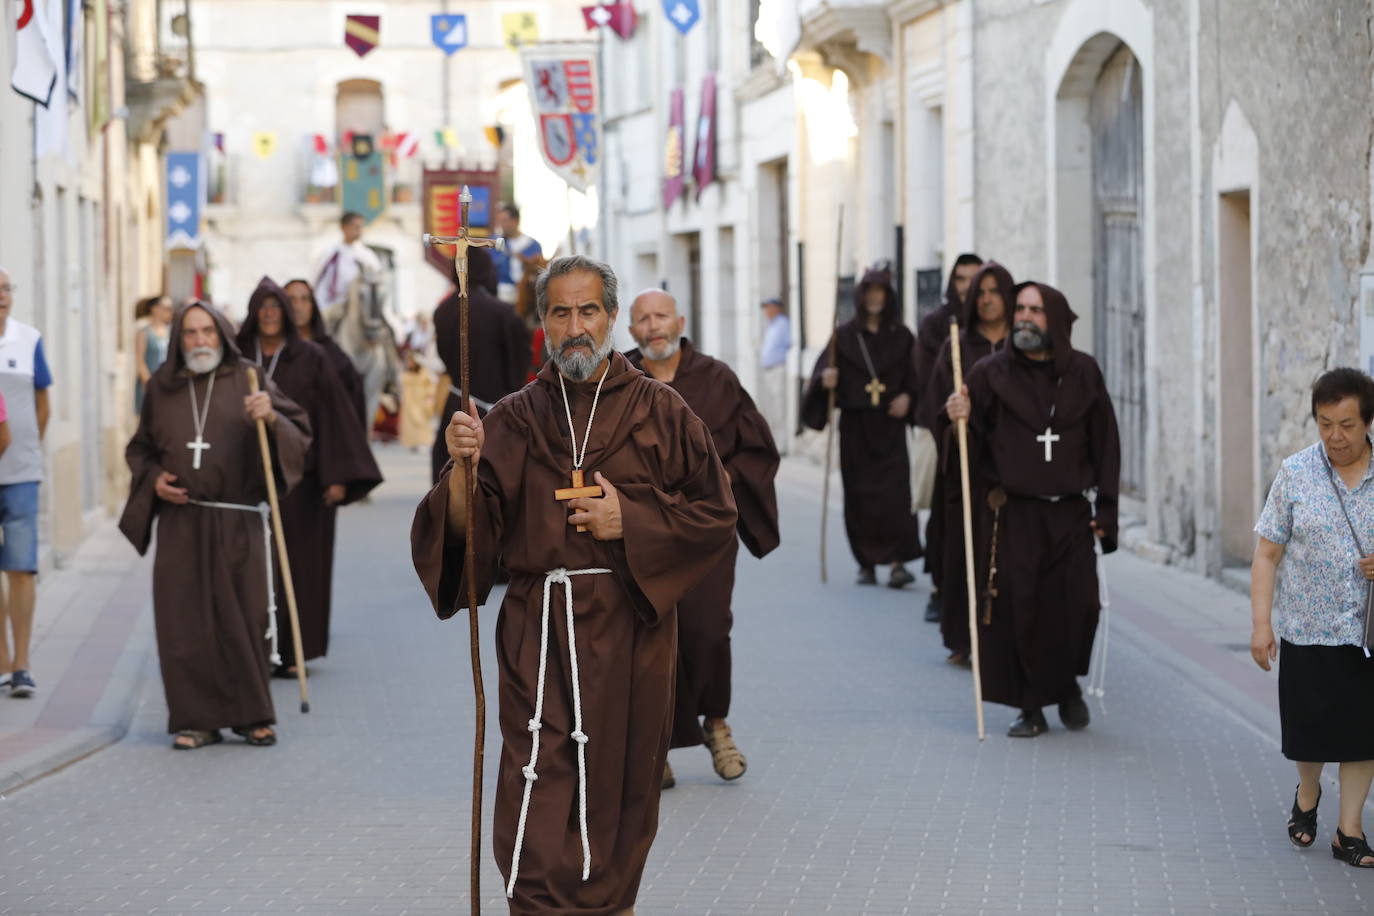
150 343
24 383
777 340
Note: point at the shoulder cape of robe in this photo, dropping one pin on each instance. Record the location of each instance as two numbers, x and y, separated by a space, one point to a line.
874 467
210 572
745 445
679 519
1045 615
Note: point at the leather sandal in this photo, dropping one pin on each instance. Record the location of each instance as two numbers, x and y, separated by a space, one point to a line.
189 739
246 733
1352 850
669 780
1303 823
729 763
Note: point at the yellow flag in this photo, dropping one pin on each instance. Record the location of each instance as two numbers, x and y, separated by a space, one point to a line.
519 29
264 144
451 140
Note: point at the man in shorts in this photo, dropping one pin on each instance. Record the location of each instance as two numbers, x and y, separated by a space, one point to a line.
24 383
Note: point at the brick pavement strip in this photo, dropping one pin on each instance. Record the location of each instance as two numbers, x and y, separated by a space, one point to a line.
866 792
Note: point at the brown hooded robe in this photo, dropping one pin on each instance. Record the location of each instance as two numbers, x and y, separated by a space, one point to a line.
745 445
874 466
347 373
210 572
500 347
1045 614
679 520
339 454
973 347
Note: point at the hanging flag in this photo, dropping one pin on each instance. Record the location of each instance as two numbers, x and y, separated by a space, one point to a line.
407 144
449 32
620 16
673 177
36 57
519 29
362 33
98 90
682 13
439 190
185 200
320 144
363 179
704 160
52 122
495 134
566 101
264 144
219 141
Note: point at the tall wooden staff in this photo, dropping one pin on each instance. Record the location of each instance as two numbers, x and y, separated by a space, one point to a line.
461 243
830 398
282 560
969 586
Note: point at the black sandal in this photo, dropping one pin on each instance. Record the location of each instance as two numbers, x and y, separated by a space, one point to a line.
246 733
1302 822
1352 851
195 739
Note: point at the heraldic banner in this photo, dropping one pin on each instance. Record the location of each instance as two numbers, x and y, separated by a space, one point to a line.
566 101
440 189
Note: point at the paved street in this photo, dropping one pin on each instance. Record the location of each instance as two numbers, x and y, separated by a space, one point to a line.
867 791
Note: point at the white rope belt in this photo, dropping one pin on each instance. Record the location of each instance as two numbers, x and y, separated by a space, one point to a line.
554 577
264 510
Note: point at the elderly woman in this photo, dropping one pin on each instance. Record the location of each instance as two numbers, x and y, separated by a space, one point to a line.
1311 565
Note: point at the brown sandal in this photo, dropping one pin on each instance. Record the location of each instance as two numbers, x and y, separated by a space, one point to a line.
729 763
246 733
195 739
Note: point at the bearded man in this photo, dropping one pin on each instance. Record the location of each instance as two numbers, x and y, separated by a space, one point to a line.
198 470
585 693
751 460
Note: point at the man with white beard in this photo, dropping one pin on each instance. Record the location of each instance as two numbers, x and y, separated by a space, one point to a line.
746 448
197 468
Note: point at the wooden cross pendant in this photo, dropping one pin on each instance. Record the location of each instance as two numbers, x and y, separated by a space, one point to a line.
875 389
577 490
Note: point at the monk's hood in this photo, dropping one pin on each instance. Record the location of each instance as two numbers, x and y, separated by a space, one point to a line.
169 371
248 333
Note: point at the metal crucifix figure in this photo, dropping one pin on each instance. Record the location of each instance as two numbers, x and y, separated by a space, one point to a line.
461 243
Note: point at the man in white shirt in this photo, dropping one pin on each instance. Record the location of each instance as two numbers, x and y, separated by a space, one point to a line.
341 264
777 341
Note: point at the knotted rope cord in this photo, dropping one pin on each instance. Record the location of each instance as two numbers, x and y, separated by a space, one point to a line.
559 576
265 511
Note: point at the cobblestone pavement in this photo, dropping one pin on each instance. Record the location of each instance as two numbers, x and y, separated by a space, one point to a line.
867 791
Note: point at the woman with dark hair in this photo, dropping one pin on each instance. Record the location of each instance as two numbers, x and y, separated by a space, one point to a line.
875 384
151 341
1310 594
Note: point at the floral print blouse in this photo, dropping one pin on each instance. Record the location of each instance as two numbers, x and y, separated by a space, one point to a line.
1320 593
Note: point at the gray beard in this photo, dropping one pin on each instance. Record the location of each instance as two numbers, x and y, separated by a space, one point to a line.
666 350
1028 338
203 359
577 367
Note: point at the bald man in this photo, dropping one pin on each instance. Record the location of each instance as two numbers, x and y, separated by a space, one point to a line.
746 449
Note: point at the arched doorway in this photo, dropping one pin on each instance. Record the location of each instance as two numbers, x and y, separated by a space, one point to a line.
1116 120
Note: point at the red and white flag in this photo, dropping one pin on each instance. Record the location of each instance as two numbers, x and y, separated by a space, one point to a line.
620 16
407 144
36 54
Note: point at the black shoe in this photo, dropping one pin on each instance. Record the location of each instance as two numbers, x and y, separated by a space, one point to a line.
1074 713
900 578
1030 723
866 576
22 685
935 608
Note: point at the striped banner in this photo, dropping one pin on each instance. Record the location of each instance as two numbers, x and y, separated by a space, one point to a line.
362 33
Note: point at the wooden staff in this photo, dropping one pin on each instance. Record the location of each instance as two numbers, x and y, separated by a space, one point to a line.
969 586
461 243
282 559
830 398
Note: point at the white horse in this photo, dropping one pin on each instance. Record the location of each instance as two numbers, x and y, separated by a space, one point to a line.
360 328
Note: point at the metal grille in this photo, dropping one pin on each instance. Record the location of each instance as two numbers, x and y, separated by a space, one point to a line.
1118 277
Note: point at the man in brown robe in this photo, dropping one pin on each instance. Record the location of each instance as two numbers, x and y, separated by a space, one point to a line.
305 314
339 467
876 390
931 335
500 346
1044 431
983 329
587 635
197 468
746 448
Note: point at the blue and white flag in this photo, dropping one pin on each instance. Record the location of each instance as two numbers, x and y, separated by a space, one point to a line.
683 14
450 32
185 199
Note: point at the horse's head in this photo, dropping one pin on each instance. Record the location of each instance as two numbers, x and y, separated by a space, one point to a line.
367 301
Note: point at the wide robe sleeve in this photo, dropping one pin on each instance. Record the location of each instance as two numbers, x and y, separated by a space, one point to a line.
1105 442
288 438
816 398
342 455
752 462
912 384
675 536
145 464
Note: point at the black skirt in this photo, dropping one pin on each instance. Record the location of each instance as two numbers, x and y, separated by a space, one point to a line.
1326 703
